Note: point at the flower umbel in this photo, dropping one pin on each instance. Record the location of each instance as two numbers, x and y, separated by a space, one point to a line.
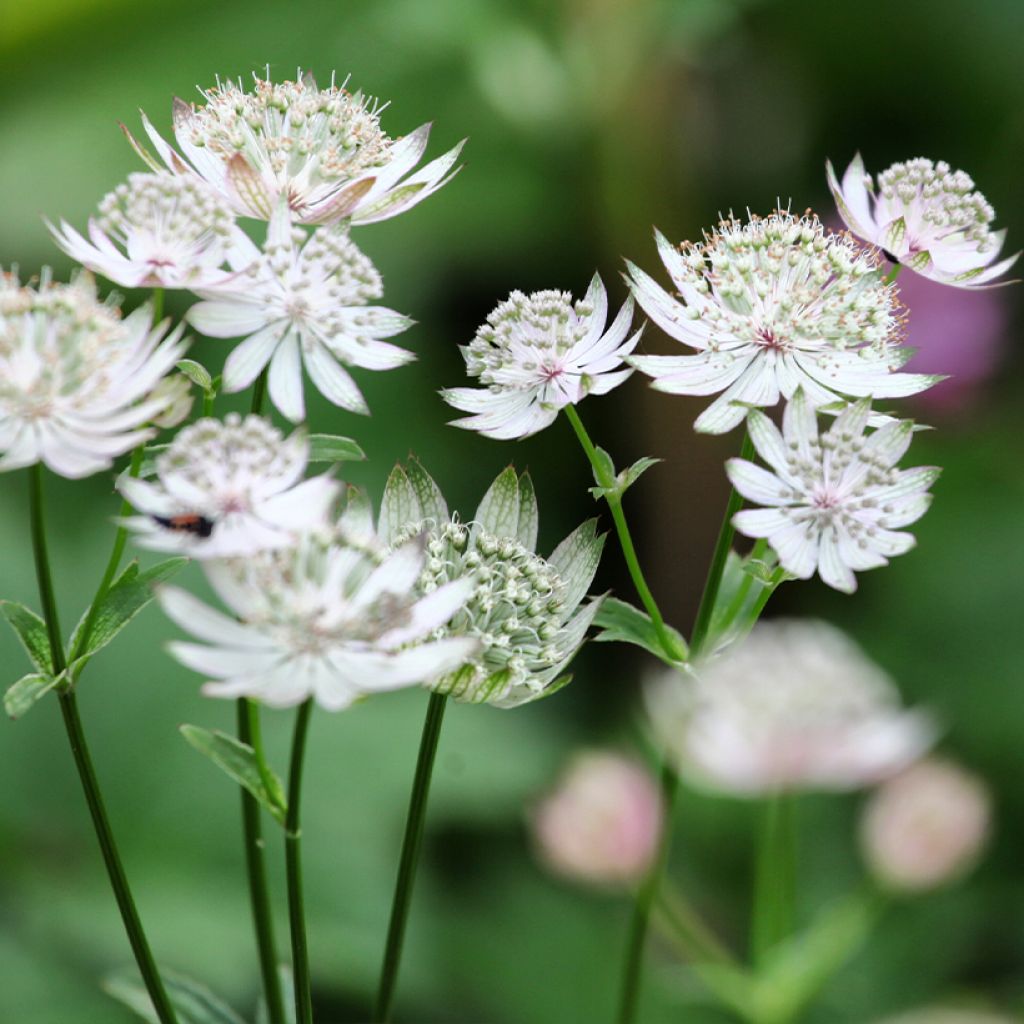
321 151
229 489
770 306
924 215
836 501
523 611
302 302
78 385
794 706
538 353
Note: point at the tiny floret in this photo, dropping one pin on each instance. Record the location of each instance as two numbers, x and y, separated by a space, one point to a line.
769 306
539 353
926 216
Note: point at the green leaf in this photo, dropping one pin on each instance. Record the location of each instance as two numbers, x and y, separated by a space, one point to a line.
334 448
620 622
529 514
197 373
32 633
193 1003
399 506
20 696
432 503
762 572
604 471
621 481
238 760
149 456
629 476
498 513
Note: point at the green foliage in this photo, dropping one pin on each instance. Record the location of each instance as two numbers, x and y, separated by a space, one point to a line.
334 448
621 622
23 694
193 1003
31 631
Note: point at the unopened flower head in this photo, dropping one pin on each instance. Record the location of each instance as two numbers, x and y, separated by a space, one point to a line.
925 827
524 611
835 502
769 306
156 231
602 823
322 151
924 215
794 706
539 353
78 385
302 302
229 489
322 619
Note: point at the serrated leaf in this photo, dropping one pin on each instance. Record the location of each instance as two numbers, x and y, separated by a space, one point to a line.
193 1002
31 631
498 512
623 623
22 695
238 760
604 471
630 475
334 448
529 514
432 503
761 571
197 373
576 560
399 506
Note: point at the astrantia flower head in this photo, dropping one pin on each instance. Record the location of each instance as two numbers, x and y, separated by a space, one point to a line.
836 501
322 619
924 215
524 611
156 231
794 706
321 151
302 302
229 489
78 385
773 305
539 353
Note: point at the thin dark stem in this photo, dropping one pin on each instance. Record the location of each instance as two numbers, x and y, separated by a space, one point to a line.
293 868
42 560
259 394
411 842
158 305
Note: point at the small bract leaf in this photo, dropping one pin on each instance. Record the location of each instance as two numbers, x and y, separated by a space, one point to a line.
334 448
31 631
629 476
604 471
432 503
529 514
623 623
399 506
576 560
498 512
193 1002
197 373
20 696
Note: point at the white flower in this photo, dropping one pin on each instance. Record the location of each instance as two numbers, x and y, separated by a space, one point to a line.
322 151
925 216
156 231
925 827
794 706
322 619
524 611
836 503
537 354
302 302
770 306
229 489
78 385
950 1015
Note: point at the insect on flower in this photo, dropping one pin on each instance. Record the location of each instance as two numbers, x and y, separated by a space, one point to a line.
190 523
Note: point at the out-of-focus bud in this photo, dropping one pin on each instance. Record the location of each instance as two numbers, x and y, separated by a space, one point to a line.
176 390
602 822
925 827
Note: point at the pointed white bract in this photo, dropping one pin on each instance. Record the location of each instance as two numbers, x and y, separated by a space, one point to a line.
320 151
302 302
156 231
325 619
539 353
795 706
834 503
231 489
524 612
926 216
769 306
78 385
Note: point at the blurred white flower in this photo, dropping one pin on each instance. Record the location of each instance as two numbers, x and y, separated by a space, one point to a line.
177 390
537 354
322 619
836 502
302 302
925 827
78 385
321 151
771 306
950 1015
794 706
602 822
525 612
926 216
229 489
156 231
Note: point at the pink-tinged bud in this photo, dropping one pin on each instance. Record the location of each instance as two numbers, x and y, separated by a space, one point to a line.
602 823
925 827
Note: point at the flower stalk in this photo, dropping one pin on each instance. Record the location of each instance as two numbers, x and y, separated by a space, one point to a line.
293 868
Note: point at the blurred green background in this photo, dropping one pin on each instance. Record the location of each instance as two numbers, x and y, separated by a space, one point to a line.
588 121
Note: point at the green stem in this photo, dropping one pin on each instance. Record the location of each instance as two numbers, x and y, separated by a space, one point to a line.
259 393
83 762
411 842
774 877
263 923
893 274
670 648
158 305
706 946
293 868
740 598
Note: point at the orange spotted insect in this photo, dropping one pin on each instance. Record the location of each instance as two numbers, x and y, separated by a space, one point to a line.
188 523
